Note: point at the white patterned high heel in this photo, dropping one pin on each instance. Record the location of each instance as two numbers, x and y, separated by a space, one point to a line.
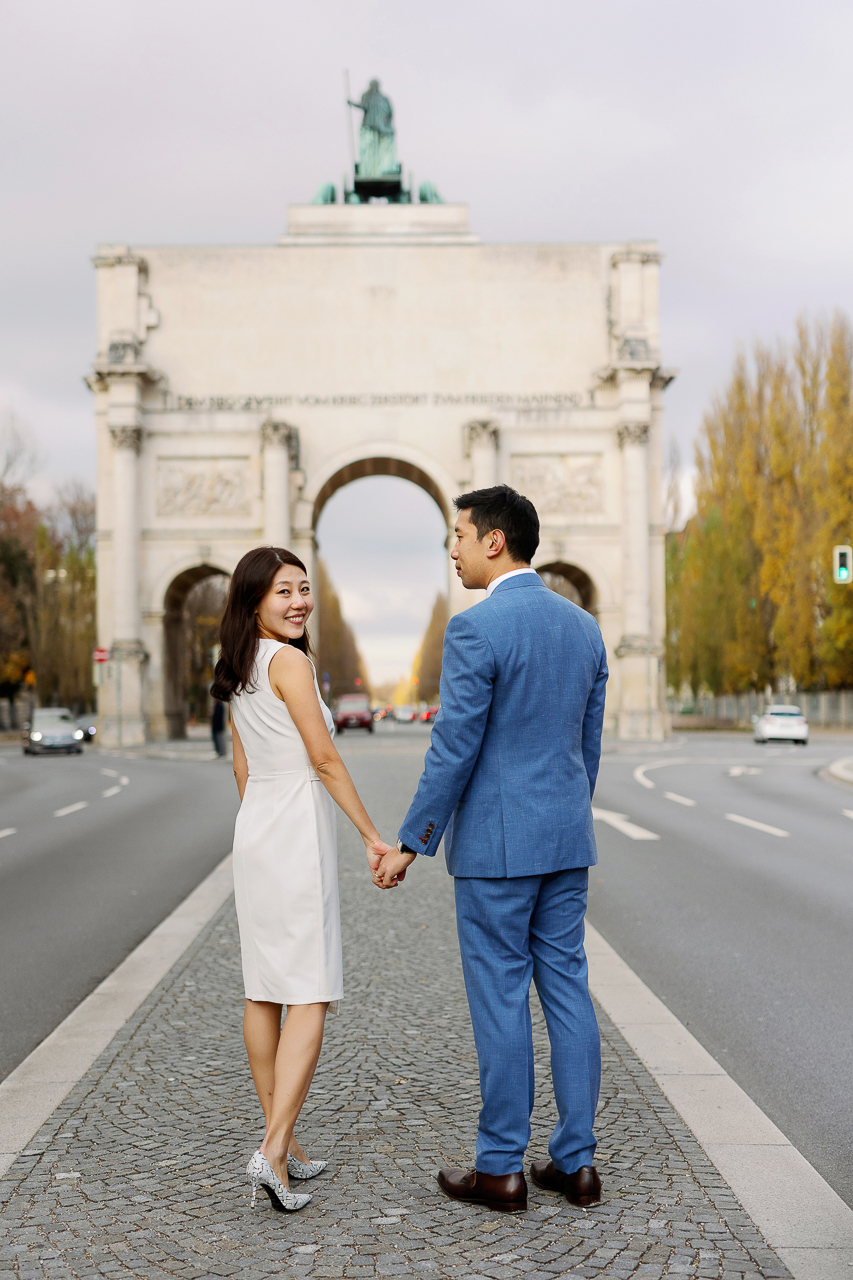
260 1173
296 1168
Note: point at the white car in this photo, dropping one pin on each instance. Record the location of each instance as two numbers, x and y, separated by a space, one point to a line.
404 715
782 724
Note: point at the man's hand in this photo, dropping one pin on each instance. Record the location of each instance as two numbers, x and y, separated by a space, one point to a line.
392 869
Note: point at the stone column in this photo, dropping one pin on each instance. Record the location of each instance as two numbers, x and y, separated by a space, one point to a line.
480 444
122 720
639 715
279 443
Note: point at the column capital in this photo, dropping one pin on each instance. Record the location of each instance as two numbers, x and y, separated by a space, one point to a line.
480 431
127 438
283 435
632 433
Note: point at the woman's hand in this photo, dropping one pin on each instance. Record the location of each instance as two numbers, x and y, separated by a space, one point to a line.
393 869
376 850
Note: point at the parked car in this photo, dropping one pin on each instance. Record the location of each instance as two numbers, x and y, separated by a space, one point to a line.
428 713
404 715
52 729
353 712
782 724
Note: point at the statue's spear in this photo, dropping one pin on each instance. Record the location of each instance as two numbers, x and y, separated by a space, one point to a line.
350 134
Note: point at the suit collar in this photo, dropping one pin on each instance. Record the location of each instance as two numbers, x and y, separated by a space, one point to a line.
524 581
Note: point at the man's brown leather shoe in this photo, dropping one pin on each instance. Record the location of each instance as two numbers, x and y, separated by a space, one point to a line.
507 1193
582 1188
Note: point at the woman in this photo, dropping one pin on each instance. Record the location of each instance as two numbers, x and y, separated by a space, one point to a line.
285 855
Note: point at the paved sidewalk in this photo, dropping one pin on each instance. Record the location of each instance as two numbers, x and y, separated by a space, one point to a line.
140 1171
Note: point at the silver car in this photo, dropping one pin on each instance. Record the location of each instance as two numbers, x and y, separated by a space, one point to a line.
782 724
53 730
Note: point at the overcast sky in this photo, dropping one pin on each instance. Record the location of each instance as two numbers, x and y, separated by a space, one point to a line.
721 129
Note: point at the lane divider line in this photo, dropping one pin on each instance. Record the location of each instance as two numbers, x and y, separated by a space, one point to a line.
673 795
71 808
111 791
848 813
109 773
757 826
31 1093
13 831
795 1209
619 821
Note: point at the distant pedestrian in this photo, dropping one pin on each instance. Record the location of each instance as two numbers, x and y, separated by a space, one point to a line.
285 848
217 728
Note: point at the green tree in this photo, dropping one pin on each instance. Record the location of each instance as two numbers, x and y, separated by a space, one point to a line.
338 656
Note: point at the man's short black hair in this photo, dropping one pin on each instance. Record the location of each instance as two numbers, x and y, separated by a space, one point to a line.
502 508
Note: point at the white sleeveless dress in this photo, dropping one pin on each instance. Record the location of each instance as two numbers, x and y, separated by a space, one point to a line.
285 855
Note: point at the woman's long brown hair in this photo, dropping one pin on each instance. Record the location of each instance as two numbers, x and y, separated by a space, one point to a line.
238 630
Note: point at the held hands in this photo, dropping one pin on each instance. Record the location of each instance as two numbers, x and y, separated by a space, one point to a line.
387 866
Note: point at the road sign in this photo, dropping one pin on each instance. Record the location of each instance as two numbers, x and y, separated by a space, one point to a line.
101 655
842 564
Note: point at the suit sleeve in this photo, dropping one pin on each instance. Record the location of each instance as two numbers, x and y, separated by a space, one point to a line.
592 721
467 681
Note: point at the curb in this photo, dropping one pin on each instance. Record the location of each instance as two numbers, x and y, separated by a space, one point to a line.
840 770
802 1219
32 1092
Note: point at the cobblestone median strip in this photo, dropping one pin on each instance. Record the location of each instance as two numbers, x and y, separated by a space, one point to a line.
140 1170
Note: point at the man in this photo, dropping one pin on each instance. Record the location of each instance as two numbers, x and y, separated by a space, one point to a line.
508 780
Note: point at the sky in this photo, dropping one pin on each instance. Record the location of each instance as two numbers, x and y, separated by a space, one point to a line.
720 129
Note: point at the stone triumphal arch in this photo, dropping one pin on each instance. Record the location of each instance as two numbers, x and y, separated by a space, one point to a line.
238 388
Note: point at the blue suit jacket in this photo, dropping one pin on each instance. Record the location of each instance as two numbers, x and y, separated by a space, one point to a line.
511 768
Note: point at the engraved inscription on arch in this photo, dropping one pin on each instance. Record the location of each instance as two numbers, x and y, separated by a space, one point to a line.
561 483
203 487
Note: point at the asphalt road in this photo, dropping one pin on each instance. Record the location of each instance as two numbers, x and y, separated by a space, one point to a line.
746 935
95 850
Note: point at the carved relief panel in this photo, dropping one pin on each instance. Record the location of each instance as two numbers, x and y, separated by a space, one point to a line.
203 487
561 483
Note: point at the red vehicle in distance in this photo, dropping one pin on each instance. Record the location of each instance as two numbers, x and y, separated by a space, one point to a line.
353 712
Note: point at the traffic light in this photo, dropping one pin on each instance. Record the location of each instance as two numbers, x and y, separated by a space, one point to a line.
842 564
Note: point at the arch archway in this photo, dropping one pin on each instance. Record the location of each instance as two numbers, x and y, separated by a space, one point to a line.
572 582
379 466
175 657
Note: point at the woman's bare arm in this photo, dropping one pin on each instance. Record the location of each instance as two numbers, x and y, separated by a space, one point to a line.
241 764
292 680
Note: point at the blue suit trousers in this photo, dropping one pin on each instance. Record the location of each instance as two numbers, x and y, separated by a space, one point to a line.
511 931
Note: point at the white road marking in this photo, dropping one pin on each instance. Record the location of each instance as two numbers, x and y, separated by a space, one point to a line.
673 795
111 791
124 781
740 770
757 826
11 831
848 813
640 776
109 773
619 821
71 808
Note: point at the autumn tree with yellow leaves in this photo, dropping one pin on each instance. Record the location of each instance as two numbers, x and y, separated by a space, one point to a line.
750 597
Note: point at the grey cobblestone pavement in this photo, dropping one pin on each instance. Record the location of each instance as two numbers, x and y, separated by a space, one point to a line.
140 1173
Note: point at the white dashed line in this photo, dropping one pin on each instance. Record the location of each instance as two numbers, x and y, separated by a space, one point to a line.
11 831
672 795
71 808
757 826
109 773
848 813
124 781
619 821
111 791
742 770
